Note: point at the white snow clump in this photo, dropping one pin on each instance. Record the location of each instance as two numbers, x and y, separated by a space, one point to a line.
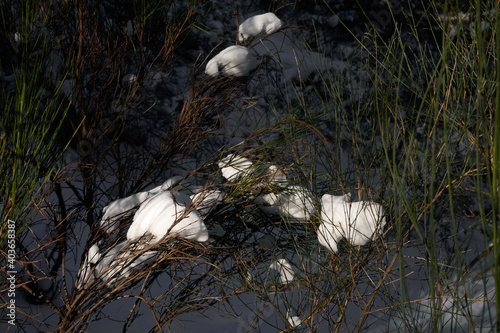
17 37
356 221
207 200
234 167
277 176
295 203
112 266
294 321
129 78
285 270
117 264
167 185
158 214
235 60
117 208
91 259
254 26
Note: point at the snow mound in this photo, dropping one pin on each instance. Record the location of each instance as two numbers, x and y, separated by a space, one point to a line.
300 64
158 215
356 221
254 26
235 60
278 272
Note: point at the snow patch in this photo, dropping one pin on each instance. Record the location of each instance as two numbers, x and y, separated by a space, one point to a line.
285 270
234 167
296 62
17 37
277 176
294 321
167 185
117 263
295 203
257 25
91 259
162 214
129 78
118 209
235 60
356 221
207 200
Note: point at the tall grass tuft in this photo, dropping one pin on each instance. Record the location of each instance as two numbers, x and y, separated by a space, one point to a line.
34 108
